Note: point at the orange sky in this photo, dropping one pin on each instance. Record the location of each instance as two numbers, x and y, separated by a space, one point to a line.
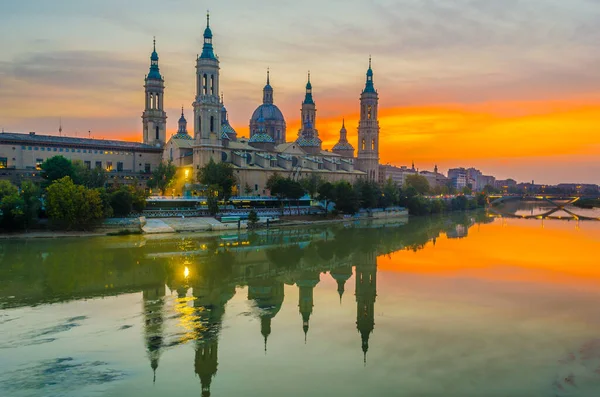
556 253
512 90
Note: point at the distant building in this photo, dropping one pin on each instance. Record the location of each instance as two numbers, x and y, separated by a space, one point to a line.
397 174
434 178
458 177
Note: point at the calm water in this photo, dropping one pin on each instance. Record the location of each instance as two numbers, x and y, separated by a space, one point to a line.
464 305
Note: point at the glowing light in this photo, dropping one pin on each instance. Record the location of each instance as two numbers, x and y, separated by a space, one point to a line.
187 173
186 272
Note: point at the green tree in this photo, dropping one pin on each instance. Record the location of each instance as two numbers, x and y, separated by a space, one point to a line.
327 194
294 191
252 218
121 202
489 189
11 206
247 189
419 182
30 194
467 191
220 177
71 206
368 193
276 188
346 200
90 178
163 177
57 167
212 199
311 184
389 195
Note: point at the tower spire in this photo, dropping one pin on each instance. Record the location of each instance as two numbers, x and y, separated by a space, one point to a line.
268 77
207 18
154 42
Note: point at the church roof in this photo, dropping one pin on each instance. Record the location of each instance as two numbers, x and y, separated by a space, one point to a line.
261 137
182 135
51 140
226 128
343 146
269 112
310 142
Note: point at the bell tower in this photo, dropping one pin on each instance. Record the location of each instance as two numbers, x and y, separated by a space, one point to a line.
368 130
207 106
154 118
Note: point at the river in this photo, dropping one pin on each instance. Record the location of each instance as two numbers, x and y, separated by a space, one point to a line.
457 305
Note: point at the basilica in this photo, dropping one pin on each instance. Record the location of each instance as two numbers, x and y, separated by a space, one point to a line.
267 150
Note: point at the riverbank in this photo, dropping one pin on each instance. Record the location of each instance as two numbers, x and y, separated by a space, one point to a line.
202 225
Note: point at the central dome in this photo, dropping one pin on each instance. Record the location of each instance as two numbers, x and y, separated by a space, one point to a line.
270 112
267 118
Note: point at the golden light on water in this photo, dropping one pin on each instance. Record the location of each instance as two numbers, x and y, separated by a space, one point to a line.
186 272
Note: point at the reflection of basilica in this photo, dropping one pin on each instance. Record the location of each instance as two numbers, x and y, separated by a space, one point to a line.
204 273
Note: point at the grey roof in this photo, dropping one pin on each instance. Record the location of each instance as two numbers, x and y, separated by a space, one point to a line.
269 112
35 139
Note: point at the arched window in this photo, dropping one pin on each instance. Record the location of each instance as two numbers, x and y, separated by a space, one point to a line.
212 123
369 109
171 154
200 124
157 133
205 84
364 144
373 144
212 84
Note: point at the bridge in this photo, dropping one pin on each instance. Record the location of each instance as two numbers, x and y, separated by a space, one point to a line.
495 200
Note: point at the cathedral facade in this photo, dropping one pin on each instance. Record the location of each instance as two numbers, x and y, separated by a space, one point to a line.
267 150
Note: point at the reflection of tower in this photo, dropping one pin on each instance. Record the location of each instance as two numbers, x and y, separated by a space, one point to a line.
341 275
366 293
153 323
306 282
268 295
210 307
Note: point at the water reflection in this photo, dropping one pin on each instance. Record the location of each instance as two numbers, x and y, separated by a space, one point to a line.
204 274
187 283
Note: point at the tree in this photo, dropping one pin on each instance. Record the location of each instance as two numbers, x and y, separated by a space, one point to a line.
489 189
121 202
389 195
311 184
162 177
276 188
57 167
90 178
419 182
467 191
30 194
18 209
294 191
327 194
71 206
346 200
218 176
368 193
252 218
247 189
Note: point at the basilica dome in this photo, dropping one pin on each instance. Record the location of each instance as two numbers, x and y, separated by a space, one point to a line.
267 118
270 112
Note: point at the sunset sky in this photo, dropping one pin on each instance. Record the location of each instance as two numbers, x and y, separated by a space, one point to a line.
511 87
